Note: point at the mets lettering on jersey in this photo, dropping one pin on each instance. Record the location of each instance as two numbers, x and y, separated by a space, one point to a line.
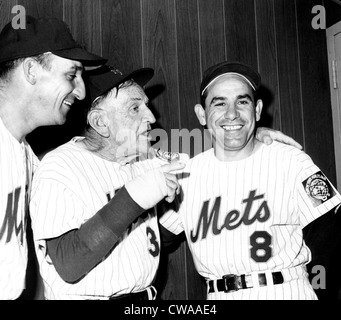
9 223
233 219
246 217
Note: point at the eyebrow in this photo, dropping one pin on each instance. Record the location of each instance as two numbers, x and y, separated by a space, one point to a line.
138 99
222 98
76 68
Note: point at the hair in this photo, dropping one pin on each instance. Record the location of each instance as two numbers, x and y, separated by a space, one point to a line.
7 67
205 93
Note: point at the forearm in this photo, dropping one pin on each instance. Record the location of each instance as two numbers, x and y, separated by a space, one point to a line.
77 252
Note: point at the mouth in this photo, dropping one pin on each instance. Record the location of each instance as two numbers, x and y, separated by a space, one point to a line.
232 128
68 103
146 134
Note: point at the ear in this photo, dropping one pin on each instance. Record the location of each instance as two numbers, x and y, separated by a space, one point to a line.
97 120
259 107
200 112
31 70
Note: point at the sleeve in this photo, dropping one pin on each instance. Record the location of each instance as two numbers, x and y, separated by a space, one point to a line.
315 193
76 252
170 216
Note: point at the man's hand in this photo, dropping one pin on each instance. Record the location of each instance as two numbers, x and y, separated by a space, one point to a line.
267 135
150 188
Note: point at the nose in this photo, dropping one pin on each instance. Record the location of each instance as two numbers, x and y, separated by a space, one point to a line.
79 90
231 112
148 116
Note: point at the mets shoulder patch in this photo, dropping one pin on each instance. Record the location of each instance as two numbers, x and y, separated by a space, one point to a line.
318 188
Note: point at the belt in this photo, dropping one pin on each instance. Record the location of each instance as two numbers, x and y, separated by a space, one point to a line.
231 282
148 294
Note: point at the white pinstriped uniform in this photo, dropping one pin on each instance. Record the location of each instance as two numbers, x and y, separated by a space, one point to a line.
17 163
70 186
275 178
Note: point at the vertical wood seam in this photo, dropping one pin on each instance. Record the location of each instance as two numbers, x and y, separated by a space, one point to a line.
199 39
100 28
177 69
142 35
299 73
257 37
277 67
224 30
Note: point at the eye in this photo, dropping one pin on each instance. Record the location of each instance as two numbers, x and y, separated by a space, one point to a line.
135 109
71 77
244 102
219 104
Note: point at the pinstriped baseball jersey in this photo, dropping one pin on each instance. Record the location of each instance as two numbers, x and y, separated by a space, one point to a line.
17 164
70 186
246 216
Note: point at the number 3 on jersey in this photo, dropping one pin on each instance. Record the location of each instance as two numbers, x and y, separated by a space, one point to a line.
261 250
155 250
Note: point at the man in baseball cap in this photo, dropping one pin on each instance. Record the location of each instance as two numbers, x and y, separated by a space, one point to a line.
112 232
252 246
40 78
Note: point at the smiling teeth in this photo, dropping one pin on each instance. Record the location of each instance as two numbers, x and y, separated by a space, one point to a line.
230 128
68 103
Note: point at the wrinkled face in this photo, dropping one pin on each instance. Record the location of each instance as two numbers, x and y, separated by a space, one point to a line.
130 120
59 86
231 114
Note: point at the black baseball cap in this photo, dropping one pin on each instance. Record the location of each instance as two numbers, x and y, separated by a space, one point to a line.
222 68
101 80
40 36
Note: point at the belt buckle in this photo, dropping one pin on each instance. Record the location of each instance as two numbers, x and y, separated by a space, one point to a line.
230 283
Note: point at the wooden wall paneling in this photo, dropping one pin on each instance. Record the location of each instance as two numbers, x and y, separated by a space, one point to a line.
160 52
122 33
6 14
316 100
212 38
288 70
188 44
240 31
43 8
267 63
84 20
189 81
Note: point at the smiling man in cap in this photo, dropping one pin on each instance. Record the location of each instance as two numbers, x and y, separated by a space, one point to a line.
245 204
40 78
94 222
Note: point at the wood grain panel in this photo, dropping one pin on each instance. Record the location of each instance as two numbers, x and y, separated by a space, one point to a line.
288 70
317 112
84 20
160 52
267 63
240 31
6 14
190 74
212 38
121 33
43 8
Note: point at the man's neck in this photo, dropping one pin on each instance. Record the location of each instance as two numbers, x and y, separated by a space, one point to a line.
236 155
14 124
